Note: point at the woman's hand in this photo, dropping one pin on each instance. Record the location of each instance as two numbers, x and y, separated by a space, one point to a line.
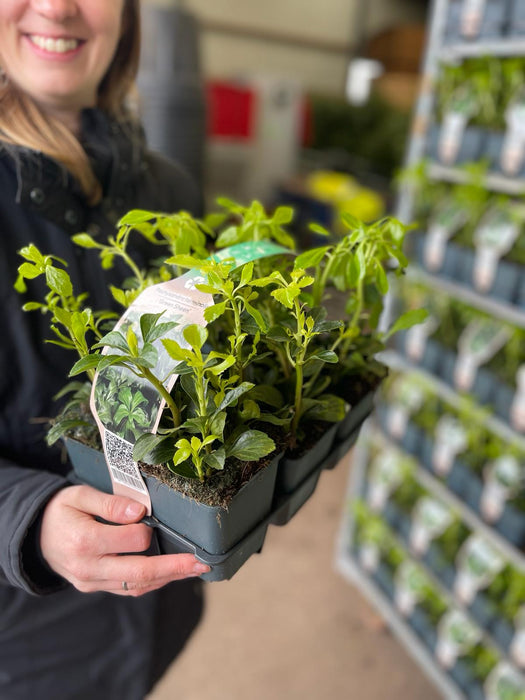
87 552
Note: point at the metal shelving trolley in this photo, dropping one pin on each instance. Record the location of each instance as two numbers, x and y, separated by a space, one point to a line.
433 532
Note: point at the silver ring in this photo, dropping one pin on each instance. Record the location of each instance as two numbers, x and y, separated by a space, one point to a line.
125 586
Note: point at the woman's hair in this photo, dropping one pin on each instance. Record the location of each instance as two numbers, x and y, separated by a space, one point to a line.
23 123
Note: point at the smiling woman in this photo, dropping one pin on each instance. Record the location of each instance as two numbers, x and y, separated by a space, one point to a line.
72 158
58 57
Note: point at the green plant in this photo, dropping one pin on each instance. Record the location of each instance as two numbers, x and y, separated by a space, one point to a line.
269 354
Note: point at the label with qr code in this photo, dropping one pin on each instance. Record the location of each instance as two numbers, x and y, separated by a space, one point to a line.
126 406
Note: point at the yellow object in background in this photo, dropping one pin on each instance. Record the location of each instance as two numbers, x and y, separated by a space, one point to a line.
345 194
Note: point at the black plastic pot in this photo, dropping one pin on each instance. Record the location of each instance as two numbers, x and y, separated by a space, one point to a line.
512 525
506 279
503 398
210 528
517 18
493 148
423 627
459 478
483 610
473 489
450 263
470 148
384 579
292 471
492 24
463 675
442 568
355 417
503 632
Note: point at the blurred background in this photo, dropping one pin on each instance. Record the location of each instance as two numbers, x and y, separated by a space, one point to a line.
310 103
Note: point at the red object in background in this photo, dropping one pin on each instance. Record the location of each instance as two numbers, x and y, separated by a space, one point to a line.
231 110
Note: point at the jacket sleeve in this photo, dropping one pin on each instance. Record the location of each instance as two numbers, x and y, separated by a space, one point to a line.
23 496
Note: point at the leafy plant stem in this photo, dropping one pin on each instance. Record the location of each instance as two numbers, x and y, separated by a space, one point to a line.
159 386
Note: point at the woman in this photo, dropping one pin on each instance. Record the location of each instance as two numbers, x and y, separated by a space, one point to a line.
71 159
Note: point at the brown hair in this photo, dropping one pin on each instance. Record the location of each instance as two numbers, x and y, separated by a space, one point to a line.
23 123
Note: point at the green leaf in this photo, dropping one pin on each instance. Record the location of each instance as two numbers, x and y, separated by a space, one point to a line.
328 408
251 445
58 280
257 316
327 356
175 351
62 427
214 312
265 393
136 216
195 336
85 363
228 237
381 279
234 395
84 240
283 215
29 271
216 459
310 258
217 423
249 410
113 339
222 366
407 320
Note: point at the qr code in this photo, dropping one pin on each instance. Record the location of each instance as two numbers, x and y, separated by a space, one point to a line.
119 454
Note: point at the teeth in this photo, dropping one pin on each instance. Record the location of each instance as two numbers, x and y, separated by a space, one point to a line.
54 45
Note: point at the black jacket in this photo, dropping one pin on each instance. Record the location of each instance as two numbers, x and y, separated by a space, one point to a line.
54 641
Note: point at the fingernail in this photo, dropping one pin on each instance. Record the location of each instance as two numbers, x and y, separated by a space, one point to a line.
200 568
134 510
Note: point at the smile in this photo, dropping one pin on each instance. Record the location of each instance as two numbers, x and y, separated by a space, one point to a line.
54 45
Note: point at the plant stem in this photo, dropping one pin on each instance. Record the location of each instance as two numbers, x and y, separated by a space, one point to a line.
168 398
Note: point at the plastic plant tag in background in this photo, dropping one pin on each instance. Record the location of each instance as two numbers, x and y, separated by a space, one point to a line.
126 406
472 12
478 564
430 519
513 149
454 124
417 337
517 409
408 399
450 440
410 586
456 636
504 683
517 646
493 239
447 221
478 344
386 473
504 478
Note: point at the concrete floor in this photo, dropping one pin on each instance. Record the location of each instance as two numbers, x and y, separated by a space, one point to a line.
289 627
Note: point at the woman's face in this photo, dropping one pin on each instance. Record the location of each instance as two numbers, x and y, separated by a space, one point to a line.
58 51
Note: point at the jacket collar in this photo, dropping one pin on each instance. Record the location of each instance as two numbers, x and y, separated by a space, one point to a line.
116 154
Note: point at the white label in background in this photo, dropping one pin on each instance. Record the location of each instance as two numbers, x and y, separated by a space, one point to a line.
450 440
447 221
472 12
517 409
408 397
478 343
503 479
517 647
513 148
504 682
410 583
417 337
456 636
369 556
386 473
478 564
430 519
493 239
451 135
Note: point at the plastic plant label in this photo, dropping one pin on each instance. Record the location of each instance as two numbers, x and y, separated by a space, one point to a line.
456 636
454 124
478 565
450 440
386 473
447 221
517 409
504 683
410 584
478 343
472 12
126 406
409 398
517 646
417 337
430 519
503 479
493 239
513 149
369 556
